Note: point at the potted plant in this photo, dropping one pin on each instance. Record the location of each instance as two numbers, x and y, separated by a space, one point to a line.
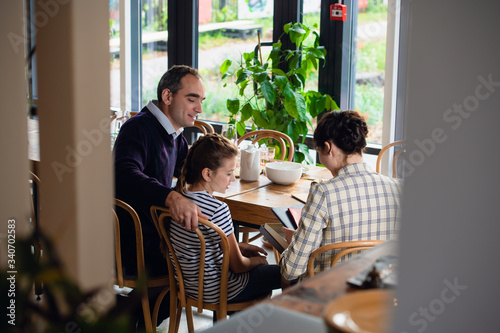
273 95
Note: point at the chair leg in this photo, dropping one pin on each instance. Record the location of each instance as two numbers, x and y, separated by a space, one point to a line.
157 306
178 317
189 317
221 315
173 325
147 314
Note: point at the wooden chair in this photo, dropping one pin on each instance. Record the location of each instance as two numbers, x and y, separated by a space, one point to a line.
395 158
204 126
271 134
282 139
178 298
344 247
141 279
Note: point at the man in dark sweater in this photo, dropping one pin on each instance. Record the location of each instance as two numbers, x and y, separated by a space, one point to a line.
149 151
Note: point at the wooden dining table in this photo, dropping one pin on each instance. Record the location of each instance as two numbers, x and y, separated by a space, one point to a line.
250 203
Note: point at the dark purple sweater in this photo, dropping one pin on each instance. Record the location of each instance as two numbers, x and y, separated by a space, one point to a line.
146 159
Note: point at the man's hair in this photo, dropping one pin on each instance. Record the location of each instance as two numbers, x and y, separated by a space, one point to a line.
171 80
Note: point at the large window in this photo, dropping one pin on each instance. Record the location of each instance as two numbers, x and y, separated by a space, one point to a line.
228 29
154 46
114 52
370 65
225 29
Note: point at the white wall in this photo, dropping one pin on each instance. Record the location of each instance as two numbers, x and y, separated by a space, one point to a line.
450 265
14 195
73 108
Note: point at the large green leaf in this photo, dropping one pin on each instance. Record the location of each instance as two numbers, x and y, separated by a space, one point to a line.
300 103
240 127
259 119
318 52
299 79
330 103
225 66
293 60
246 112
248 56
243 85
243 74
297 33
313 61
290 103
318 105
291 131
278 72
274 55
281 82
305 150
233 105
268 92
261 77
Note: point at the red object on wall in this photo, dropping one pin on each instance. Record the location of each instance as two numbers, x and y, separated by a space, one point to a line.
362 3
338 12
205 11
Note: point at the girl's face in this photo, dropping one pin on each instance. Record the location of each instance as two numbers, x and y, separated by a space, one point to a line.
223 176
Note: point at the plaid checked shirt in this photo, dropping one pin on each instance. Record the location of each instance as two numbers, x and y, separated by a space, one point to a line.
356 204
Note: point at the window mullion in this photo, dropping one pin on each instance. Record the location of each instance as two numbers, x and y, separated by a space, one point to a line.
130 55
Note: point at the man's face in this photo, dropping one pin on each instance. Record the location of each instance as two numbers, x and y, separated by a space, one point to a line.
185 105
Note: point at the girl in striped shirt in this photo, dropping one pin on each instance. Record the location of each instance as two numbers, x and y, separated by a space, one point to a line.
209 167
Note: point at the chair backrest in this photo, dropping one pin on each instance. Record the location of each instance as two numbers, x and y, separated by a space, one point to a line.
395 158
141 268
344 247
271 134
174 266
204 126
121 281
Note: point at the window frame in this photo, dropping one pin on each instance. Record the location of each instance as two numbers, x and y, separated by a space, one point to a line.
337 78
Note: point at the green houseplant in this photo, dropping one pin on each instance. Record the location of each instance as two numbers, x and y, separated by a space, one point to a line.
272 94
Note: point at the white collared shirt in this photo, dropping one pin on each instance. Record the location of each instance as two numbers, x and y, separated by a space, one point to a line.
163 119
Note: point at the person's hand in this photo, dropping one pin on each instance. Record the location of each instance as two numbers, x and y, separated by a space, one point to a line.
183 210
249 250
288 234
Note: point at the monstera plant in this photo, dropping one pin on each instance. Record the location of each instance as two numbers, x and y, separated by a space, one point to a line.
272 94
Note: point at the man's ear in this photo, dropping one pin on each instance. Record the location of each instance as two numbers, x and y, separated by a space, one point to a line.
166 96
205 173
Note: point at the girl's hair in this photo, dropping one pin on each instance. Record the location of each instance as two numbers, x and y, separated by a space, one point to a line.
346 129
209 151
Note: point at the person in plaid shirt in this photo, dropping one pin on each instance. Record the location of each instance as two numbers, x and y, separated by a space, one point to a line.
356 204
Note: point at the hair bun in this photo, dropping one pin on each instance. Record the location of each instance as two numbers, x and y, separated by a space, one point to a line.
346 129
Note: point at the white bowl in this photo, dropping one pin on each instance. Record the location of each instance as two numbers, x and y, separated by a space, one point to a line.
283 173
